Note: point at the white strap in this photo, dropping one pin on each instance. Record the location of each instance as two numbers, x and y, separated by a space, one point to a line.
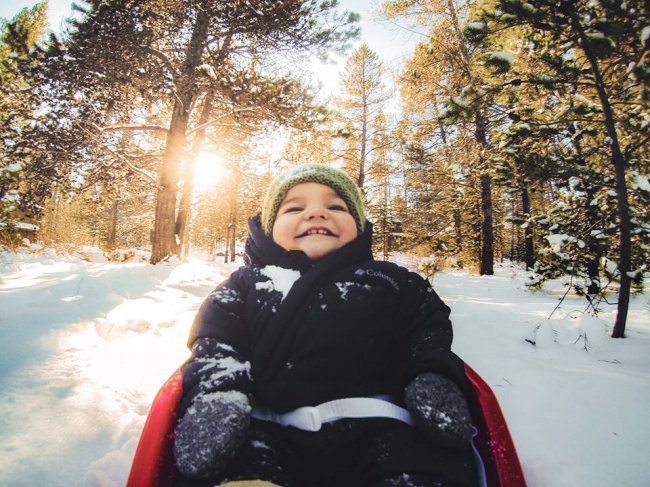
311 418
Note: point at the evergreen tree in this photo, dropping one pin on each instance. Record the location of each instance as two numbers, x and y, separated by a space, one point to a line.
593 59
444 67
364 95
209 60
313 146
21 52
381 207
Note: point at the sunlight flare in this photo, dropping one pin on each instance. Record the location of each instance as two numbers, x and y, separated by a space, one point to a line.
208 170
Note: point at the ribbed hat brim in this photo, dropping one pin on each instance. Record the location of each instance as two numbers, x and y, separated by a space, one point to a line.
312 173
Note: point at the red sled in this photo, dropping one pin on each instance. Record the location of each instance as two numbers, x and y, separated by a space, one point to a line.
153 461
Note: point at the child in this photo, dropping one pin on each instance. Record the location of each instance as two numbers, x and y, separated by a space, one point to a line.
311 318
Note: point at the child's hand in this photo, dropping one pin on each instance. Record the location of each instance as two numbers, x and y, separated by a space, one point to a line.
439 409
210 433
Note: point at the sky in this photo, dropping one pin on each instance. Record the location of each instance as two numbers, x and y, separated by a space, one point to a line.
86 343
391 42
58 9
385 38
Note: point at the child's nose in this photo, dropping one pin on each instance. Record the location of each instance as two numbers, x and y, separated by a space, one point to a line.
315 211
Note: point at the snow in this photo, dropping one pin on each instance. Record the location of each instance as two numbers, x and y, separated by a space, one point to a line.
479 27
227 397
208 71
22 226
12 167
11 196
281 279
556 241
503 56
640 182
645 34
344 288
87 343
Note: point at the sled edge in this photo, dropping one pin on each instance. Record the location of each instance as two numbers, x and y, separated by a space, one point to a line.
153 460
151 465
495 444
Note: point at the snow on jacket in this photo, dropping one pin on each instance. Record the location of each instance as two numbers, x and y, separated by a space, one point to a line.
292 332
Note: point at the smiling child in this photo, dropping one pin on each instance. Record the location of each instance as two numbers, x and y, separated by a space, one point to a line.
315 365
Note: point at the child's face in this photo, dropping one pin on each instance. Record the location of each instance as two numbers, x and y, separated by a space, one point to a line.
313 218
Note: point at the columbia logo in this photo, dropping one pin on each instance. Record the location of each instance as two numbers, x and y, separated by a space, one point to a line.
374 273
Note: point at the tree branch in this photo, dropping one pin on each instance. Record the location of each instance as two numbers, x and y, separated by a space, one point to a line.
133 128
214 120
163 58
119 155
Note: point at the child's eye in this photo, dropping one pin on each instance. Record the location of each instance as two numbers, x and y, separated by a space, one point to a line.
338 208
292 209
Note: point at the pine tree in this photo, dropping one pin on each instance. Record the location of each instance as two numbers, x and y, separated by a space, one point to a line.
313 146
593 59
124 54
444 68
381 198
21 50
364 95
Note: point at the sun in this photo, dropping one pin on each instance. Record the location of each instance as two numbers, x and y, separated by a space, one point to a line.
208 169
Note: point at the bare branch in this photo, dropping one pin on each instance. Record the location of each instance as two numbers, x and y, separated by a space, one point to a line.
163 58
134 128
119 155
215 120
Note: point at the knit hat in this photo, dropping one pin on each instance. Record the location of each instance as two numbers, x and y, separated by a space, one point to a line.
312 173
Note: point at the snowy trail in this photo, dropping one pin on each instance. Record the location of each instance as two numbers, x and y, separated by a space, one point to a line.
86 347
557 396
87 343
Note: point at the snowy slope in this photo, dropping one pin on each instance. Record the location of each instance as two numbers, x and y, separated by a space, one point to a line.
86 344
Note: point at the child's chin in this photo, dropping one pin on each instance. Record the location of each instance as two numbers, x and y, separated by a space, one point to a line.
318 251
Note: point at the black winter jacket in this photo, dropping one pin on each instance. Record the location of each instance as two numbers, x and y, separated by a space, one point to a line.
292 332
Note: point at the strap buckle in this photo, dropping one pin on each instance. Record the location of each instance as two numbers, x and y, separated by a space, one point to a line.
306 418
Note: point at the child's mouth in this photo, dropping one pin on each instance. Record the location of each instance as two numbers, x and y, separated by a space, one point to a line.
317 231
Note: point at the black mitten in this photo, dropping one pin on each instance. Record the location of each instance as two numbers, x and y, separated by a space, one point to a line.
439 409
210 433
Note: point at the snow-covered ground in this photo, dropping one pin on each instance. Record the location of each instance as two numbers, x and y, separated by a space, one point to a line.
86 343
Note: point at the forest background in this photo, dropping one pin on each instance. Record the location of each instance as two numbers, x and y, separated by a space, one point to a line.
511 131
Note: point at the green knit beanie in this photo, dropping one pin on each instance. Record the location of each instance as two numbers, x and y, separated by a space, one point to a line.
312 173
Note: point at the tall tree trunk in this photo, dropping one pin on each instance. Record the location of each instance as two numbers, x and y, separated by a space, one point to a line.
56 213
364 144
165 241
487 220
112 225
231 239
618 161
593 265
625 247
185 206
114 212
529 248
487 226
459 230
